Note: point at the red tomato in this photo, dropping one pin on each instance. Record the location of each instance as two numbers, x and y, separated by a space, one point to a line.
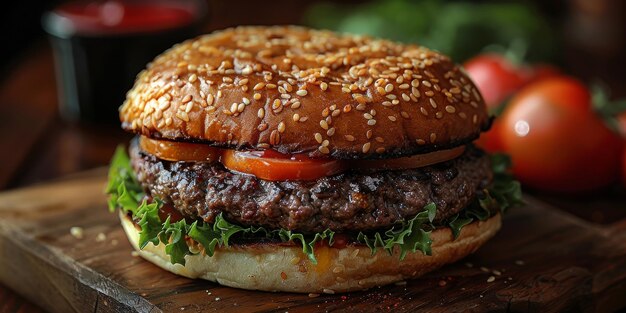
271 165
495 76
555 140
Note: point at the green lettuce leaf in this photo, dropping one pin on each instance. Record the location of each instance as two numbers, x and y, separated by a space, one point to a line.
503 193
409 237
122 188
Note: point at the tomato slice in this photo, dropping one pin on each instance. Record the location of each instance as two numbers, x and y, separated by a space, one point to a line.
413 161
179 151
271 165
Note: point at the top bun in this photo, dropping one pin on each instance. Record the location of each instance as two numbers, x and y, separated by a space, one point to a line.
298 90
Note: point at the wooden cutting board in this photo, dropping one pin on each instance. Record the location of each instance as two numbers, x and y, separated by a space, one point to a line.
542 260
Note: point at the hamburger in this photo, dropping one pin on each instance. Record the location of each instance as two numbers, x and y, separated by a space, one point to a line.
301 160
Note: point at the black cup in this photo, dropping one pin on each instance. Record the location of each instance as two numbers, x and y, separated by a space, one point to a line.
97 60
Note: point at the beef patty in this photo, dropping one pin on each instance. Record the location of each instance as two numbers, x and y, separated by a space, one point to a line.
352 201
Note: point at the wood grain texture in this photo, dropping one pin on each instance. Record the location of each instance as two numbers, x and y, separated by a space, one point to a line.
547 261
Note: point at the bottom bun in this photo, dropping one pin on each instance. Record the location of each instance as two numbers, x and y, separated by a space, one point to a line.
274 267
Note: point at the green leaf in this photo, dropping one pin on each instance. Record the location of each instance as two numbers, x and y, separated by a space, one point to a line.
409 237
150 223
457 223
123 189
206 236
174 237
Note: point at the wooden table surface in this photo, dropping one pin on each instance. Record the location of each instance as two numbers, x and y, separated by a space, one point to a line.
37 145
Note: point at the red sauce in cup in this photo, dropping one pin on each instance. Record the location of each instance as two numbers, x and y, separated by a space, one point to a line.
119 17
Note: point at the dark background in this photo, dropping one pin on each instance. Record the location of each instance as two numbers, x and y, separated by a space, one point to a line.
592 34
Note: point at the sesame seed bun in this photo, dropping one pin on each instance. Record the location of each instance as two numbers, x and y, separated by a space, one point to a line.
273 267
297 90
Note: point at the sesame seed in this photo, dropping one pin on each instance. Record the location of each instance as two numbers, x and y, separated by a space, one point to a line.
429 93
245 100
415 92
368 116
404 114
318 137
369 134
281 127
371 122
274 138
381 90
388 88
439 114
243 82
188 107
259 86
276 104
405 97
324 86
463 115
257 96
330 132
433 103
404 86
270 86
77 232
426 83
261 113
360 107
391 118
415 83
246 70
347 108
324 124
262 127
210 99
433 137
449 108
323 149
380 150
187 98
193 78
366 147
295 117
475 119
233 107
241 107
349 137
345 90
295 105
420 141
491 279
